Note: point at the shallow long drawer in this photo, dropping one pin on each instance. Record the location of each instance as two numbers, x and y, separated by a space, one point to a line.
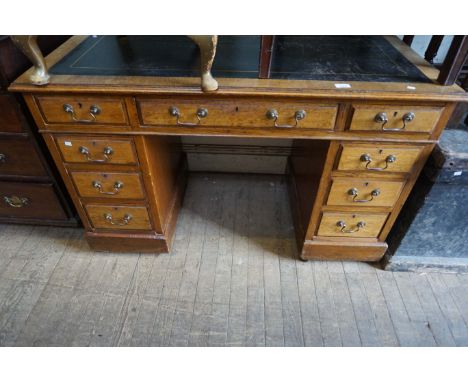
30 200
236 113
79 149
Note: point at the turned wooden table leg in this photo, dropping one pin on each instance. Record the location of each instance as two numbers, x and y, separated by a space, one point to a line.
28 45
207 45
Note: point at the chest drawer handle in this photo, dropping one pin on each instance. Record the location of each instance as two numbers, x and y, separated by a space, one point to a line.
341 224
273 114
367 158
93 112
383 119
2 158
107 152
16 201
354 193
125 220
117 187
201 113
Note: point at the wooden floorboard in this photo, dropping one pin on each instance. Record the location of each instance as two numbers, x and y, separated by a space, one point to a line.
232 279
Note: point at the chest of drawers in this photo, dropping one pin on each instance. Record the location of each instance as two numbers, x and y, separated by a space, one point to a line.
356 151
30 190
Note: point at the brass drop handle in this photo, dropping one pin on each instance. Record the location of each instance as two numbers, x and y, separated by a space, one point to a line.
107 152
16 201
383 119
117 187
368 159
94 110
125 220
2 158
342 225
354 193
201 113
298 116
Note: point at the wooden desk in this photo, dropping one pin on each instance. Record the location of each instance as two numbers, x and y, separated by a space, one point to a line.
358 145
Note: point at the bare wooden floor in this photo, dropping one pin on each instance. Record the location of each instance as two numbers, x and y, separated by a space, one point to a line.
232 279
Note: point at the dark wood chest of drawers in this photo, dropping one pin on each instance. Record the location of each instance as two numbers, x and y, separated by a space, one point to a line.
30 190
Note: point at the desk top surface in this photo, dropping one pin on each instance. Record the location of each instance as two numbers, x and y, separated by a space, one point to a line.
302 66
337 58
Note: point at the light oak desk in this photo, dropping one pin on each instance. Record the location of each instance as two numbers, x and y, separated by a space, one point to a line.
363 114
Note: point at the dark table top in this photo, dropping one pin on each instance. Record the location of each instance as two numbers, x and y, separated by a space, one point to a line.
334 58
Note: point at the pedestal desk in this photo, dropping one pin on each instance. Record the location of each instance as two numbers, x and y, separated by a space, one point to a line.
363 113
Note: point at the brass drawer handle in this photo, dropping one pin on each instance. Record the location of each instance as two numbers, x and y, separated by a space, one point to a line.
2 158
201 113
367 158
16 201
125 220
273 114
383 119
93 112
354 193
341 224
106 152
117 187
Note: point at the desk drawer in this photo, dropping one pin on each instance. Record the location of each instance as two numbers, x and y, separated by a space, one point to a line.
19 157
82 110
112 185
30 200
378 157
236 113
338 224
403 119
355 192
118 217
97 150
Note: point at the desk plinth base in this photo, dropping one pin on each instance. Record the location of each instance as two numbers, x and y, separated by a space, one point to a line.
116 242
352 251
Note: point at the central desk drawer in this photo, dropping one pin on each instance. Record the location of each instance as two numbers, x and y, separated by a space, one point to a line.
353 192
236 113
345 224
113 185
82 110
118 217
97 150
378 158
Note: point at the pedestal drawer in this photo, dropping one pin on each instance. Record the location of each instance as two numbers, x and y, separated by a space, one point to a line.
378 157
355 192
76 149
345 224
112 185
82 110
30 200
19 157
118 217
